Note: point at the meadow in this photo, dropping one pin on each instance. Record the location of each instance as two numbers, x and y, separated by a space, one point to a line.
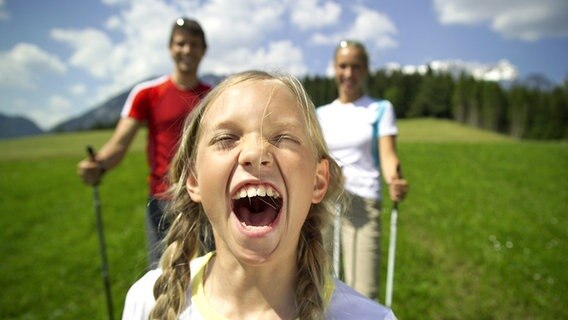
482 235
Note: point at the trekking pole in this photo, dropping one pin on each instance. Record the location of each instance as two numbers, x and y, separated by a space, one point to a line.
102 246
392 249
336 242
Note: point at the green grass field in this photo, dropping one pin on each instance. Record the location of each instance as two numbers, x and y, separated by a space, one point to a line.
482 235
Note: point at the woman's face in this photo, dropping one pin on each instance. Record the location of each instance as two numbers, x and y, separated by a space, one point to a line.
256 171
350 72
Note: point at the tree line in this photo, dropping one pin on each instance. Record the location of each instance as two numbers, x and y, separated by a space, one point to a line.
521 111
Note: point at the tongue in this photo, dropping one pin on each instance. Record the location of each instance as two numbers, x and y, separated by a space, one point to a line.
257 217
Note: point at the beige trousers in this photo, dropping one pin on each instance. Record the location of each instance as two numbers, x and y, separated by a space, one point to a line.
361 247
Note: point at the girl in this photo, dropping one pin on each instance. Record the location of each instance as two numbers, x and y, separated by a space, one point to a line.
253 172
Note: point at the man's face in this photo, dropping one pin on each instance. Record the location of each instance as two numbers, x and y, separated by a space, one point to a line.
186 50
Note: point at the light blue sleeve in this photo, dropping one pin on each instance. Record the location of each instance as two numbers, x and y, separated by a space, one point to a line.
347 304
387 122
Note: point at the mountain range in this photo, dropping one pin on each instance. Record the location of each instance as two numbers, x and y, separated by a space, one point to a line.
17 126
502 71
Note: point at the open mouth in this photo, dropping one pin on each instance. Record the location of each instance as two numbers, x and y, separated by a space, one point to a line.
257 206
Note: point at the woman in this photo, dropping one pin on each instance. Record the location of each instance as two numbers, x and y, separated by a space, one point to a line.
361 135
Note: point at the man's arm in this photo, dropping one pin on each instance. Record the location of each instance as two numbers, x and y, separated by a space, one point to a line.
110 154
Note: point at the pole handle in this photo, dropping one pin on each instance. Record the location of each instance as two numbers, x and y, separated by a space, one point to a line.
91 152
93 157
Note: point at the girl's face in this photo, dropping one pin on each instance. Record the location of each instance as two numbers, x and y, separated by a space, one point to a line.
256 171
350 72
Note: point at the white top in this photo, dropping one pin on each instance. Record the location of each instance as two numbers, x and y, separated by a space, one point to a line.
352 131
345 303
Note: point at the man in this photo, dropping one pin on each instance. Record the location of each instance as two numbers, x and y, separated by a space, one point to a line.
162 105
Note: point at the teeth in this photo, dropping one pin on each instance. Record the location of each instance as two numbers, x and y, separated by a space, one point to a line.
261 191
254 228
253 191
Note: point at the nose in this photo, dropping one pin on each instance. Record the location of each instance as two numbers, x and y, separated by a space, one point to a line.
255 152
186 48
348 72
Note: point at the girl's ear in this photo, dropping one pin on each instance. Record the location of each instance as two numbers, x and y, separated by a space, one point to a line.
321 181
193 188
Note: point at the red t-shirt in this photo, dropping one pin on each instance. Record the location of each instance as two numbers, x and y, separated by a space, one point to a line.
163 107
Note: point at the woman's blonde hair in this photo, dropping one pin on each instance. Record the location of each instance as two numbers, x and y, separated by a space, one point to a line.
190 227
353 44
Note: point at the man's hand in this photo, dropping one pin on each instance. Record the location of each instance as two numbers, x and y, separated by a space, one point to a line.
91 170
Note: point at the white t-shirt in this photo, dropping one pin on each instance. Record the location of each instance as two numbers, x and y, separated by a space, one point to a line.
352 131
345 303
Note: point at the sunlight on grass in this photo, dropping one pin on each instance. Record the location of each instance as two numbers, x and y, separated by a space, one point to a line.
62 144
436 130
482 235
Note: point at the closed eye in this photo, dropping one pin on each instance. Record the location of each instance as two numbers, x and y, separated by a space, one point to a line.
285 139
224 141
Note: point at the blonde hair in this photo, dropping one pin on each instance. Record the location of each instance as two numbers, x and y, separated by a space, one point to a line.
190 227
353 44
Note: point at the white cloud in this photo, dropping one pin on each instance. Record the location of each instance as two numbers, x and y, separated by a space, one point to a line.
502 70
373 28
527 20
25 65
230 25
280 56
59 104
91 49
56 109
78 89
47 118
306 14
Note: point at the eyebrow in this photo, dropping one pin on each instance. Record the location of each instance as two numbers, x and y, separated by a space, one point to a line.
289 122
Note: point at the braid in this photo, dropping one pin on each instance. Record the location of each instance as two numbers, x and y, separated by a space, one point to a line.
170 288
313 268
189 225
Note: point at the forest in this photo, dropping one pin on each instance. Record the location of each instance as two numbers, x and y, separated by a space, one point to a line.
518 110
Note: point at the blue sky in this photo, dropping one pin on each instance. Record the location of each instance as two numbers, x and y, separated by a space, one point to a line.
59 58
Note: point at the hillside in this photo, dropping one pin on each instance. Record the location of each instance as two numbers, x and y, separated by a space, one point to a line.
104 115
107 113
18 126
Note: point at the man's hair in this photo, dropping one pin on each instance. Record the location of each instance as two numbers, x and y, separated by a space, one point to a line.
188 25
